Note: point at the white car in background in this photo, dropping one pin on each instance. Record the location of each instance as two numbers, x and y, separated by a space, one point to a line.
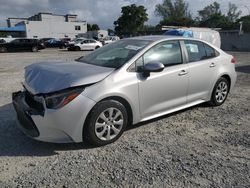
110 39
86 44
75 40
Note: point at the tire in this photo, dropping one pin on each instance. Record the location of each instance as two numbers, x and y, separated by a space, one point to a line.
106 123
97 47
3 49
220 92
34 49
78 48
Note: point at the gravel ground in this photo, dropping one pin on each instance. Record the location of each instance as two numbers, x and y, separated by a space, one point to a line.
198 147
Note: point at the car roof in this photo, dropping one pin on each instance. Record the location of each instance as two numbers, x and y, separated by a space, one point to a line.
154 38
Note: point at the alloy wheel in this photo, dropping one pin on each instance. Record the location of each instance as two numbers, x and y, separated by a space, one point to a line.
109 124
221 92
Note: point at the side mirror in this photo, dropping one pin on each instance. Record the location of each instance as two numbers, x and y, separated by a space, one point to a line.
152 67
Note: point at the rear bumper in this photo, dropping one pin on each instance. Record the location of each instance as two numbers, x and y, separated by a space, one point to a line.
64 125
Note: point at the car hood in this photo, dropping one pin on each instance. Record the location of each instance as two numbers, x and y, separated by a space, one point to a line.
47 77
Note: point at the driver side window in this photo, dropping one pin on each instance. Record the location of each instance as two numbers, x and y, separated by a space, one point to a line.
168 53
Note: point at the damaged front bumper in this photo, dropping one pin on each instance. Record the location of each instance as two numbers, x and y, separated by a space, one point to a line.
58 126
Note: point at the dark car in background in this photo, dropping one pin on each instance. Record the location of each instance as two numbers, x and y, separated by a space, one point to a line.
43 40
24 44
55 43
2 41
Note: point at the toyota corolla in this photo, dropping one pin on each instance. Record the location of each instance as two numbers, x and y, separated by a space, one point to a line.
129 81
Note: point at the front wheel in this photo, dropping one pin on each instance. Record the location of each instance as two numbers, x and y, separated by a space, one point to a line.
3 49
106 123
34 49
220 92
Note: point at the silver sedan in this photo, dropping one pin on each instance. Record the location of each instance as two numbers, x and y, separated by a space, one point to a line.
129 81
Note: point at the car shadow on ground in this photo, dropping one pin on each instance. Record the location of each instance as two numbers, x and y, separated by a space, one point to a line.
14 143
243 69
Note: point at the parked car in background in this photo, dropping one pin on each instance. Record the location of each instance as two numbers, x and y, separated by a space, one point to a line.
21 45
110 39
2 41
126 82
7 39
55 43
42 40
74 41
86 44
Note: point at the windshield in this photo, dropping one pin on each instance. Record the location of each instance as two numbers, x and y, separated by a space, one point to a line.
116 54
78 40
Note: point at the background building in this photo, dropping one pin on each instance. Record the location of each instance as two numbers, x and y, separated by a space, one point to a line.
46 25
100 34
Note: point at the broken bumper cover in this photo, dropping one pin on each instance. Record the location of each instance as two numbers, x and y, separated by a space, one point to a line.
64 125
24 113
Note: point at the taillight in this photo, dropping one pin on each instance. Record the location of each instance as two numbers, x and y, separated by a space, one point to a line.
233 60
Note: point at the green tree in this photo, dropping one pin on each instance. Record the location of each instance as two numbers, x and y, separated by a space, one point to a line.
209 11
216 21
111 32
211 16
246 23
93 27
174 13
89 27
132 20
233 13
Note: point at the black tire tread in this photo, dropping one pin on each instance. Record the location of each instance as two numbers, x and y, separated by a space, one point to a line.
89 132
213 101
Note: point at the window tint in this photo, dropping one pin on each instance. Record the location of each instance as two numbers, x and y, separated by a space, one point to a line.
167 53
196 51
210 51
91 41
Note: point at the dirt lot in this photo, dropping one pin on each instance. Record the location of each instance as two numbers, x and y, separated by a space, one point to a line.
197 147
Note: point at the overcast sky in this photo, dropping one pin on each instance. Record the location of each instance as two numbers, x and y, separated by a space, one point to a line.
102 12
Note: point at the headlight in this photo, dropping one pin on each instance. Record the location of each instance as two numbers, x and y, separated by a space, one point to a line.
59 100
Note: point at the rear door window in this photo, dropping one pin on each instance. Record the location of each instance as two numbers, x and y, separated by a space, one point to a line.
210 52
196 51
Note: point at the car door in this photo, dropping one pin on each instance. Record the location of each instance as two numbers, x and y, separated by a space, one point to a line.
202 63
92 44
27 44
14 45
85 44
166 90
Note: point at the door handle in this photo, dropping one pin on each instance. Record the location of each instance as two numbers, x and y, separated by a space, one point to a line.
212 65
182 73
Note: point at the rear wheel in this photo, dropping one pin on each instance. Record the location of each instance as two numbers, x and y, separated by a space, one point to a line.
34 49
3 49
106 123
220 92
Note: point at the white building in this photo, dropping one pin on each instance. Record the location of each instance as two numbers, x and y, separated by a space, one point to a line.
45 25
